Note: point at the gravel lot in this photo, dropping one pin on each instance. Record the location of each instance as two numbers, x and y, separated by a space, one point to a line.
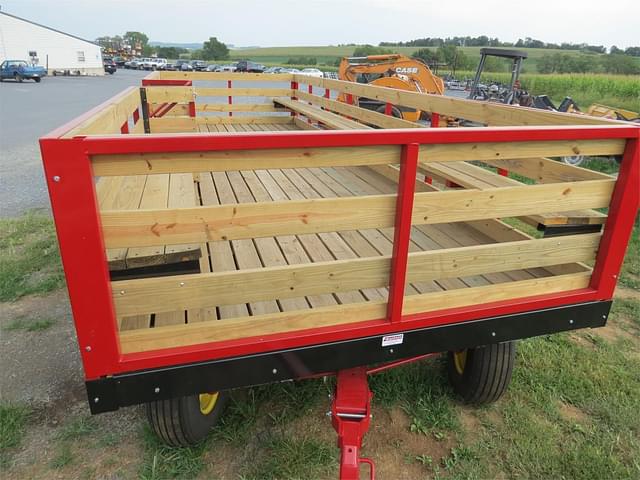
30 110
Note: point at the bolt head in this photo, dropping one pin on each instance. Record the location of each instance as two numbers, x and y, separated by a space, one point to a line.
96 400
493 334
274 371
391 350
182 284
56 178
157 390
571 322
87 348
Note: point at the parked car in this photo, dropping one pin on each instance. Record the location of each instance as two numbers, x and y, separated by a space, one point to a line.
153 63
248 66
184 65
273 70
169 67
131 64
198 65
312 72
20 70
212 67
226 68
119 61
290 70
110 66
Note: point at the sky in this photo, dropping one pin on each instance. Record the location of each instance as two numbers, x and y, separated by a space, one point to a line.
332 22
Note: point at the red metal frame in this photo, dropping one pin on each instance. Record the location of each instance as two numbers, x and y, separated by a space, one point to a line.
230 98
351 417
71 186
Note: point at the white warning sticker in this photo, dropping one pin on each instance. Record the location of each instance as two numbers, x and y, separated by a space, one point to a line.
395 339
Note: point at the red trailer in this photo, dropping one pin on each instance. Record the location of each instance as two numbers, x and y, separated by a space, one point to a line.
218 235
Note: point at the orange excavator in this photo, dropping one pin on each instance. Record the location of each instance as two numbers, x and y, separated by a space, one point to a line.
393 71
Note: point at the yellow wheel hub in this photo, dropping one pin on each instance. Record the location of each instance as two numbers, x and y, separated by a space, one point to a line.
208 402
460 360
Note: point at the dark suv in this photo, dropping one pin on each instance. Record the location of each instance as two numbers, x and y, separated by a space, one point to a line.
247 66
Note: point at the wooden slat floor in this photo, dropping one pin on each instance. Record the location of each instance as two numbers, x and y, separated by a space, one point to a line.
306 183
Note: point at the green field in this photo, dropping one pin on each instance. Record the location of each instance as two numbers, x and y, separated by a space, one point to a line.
326 55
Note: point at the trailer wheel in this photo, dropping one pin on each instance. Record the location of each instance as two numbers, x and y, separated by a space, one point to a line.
482 374
185 421
395 111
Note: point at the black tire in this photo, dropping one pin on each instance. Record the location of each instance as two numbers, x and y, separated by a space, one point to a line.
18 78
179 422
485 373
37 79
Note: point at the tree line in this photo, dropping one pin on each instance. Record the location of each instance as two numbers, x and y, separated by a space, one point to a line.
528 42
137 44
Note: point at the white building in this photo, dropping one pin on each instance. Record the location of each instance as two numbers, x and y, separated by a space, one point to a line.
57 51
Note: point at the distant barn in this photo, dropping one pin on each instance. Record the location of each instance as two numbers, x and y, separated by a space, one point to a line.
57 51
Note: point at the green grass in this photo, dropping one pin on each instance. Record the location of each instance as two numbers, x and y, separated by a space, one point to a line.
163 462
283 457
63 458
29 325
29 258
77 428
630 273
13 421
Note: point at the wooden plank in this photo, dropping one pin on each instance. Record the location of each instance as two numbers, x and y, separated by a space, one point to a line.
170 94
245 253
170 337
545 170
331 120
155 195
122 193
483 112
172 125
245 119
217 161
111 117
221 252
201 224
225 76
262 284
237 107
179 162
243 92
366 116
181 194
303 125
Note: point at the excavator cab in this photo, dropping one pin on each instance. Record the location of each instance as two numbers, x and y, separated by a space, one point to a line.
391 71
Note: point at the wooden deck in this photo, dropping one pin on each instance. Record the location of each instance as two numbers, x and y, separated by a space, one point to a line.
233 187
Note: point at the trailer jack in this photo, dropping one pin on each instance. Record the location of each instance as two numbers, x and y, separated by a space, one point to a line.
351 416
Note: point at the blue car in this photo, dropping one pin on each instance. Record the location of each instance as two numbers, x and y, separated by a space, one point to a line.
19 70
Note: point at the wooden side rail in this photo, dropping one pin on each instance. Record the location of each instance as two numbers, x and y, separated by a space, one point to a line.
492 114
545 170
153 295
329 119
366 116
148 339
148 163
238 107
471 176
111 117
226 76
227 222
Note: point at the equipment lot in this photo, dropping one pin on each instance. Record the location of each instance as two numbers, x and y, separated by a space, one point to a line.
30 110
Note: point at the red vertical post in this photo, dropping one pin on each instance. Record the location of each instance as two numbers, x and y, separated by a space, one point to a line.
435 120
125 127
136 115
327 93
349 99
503 172
428 180
294 87
192 109
229 85
387 108
623 210
402 233
74 204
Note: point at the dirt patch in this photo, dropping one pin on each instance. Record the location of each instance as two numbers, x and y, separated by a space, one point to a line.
614 331
572 414
394 448
471 424
627 293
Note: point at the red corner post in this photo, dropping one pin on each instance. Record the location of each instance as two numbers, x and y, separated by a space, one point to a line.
402 235
351 417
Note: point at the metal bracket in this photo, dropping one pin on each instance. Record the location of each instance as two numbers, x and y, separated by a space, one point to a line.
351 416
145 109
